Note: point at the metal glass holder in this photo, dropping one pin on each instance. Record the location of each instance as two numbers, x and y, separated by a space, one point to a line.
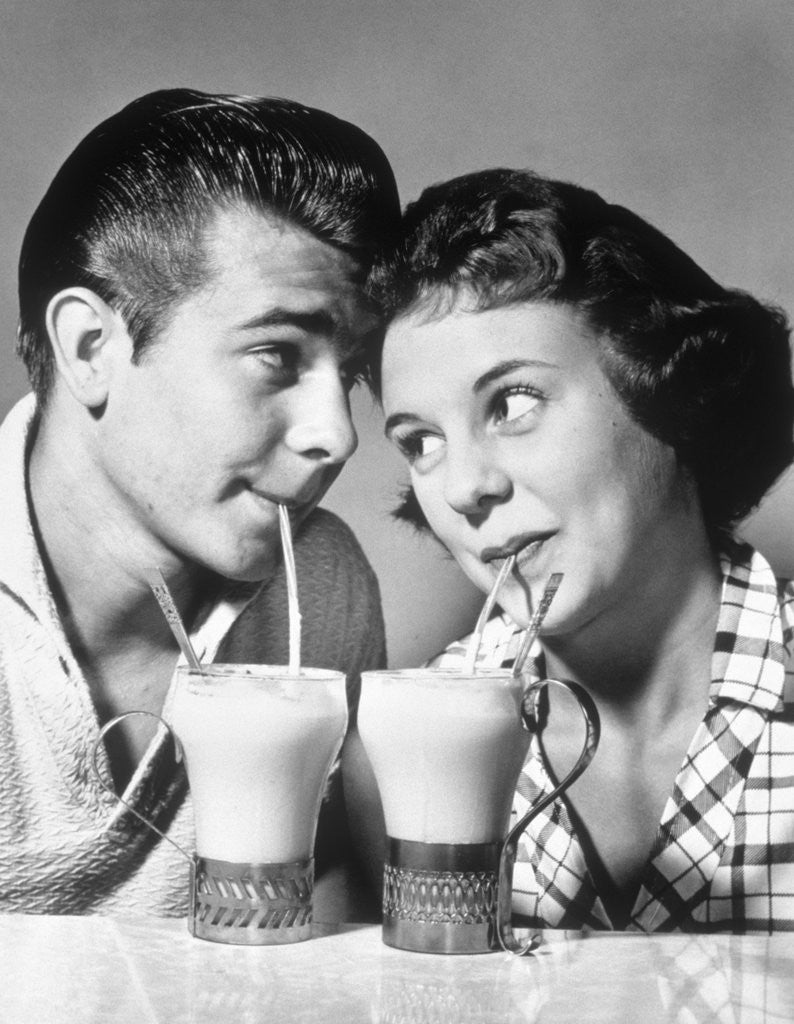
251 904
440 897
507 938
240 904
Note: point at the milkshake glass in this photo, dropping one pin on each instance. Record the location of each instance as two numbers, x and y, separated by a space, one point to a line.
258 744
446 749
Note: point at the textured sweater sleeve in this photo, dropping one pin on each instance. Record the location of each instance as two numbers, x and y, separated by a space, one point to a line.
342 619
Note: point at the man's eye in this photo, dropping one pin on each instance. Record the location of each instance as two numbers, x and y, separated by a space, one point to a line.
281 358
515 403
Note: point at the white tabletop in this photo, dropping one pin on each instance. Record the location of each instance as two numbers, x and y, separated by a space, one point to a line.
142 970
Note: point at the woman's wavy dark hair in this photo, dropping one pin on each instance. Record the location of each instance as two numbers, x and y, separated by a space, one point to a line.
703 368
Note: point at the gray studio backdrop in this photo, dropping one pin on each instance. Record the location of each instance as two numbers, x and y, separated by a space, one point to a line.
683 111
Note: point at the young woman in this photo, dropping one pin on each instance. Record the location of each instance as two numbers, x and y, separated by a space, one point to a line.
568 386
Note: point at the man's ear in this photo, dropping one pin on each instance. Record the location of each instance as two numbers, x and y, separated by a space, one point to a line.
82 327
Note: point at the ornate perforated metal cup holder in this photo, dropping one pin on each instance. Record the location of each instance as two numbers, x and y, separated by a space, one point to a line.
504 911
242 904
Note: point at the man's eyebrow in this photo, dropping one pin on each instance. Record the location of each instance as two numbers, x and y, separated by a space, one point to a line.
318 321
508 366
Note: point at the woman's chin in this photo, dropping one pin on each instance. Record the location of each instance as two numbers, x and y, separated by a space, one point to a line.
518 608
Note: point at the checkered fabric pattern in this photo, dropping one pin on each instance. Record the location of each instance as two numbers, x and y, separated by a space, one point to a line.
723 858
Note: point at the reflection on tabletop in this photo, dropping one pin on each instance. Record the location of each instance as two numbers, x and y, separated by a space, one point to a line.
59 969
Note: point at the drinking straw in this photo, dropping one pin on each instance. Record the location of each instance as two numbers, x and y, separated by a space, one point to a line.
472 650
536 621
292 592
156 581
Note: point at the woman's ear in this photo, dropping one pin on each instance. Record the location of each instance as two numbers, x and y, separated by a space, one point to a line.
81 327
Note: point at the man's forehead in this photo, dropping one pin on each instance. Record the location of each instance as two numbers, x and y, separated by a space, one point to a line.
234 234
259 251
239 242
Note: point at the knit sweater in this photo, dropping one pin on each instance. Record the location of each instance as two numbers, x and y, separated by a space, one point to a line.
66 844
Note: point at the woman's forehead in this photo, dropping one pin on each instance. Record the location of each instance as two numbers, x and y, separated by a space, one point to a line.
529 326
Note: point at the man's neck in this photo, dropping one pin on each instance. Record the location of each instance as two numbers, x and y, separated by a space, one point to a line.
95 560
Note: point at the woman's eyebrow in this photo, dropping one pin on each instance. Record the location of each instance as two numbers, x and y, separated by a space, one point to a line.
508 366
397 419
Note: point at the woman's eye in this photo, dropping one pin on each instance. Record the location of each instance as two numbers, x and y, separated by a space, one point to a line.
416 446
512 405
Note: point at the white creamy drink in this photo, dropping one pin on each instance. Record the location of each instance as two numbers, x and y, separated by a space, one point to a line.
258 746
446 749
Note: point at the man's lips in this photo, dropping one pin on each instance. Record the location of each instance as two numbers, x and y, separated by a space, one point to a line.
294 503
525 544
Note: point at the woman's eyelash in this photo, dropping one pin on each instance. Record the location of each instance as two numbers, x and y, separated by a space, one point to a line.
519 389
502 397
410 445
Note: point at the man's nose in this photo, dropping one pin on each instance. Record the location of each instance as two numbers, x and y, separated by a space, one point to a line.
474 480
321 427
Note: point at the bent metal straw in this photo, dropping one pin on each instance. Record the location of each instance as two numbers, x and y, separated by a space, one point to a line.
156 581
536 621
476 638
292 592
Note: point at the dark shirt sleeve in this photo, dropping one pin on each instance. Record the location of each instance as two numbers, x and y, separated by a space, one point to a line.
342 620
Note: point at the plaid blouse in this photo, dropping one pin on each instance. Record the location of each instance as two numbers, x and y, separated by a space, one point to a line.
723 857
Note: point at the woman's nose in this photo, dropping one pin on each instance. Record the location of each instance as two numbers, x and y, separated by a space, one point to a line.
321 427
474 481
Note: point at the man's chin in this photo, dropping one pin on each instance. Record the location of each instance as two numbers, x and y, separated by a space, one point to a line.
255 569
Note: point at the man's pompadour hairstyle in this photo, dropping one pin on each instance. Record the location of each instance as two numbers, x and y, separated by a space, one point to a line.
125 214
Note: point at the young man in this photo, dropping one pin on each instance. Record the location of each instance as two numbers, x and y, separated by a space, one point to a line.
192 321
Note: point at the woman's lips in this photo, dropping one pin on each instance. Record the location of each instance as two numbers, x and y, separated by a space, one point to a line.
523 547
